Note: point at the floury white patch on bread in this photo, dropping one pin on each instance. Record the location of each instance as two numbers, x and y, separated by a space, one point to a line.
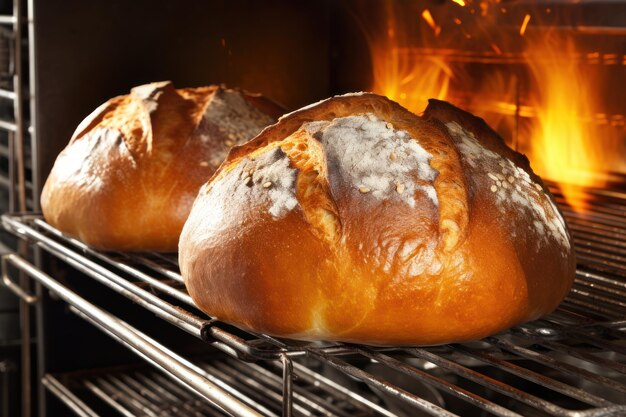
234 118
511 186
376 158
367 152
268 179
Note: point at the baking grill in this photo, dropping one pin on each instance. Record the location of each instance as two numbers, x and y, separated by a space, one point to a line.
17 171
570 363
135 391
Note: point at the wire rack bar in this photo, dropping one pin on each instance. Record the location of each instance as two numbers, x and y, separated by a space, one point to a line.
10 95
141 344
70 399
140 391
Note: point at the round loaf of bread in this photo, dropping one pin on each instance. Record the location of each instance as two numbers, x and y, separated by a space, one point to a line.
355 220
133 168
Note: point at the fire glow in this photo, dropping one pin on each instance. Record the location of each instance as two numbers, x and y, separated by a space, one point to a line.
559 136
522 28
428 18
561 148
407 81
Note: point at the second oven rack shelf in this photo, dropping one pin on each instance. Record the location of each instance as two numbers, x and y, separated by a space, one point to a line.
141 391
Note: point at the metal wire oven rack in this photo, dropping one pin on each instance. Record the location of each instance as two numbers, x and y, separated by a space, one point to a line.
571 363
16 148
142 391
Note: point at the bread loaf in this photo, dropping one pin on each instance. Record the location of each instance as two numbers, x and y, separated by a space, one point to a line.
355 220
132 169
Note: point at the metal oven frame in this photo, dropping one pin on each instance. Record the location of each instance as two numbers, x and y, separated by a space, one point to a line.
568 364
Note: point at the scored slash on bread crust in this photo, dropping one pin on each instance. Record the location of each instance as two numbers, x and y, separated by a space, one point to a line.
325 254
445 159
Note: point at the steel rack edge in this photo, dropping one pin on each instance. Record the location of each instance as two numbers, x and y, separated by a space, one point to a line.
207 329
149 349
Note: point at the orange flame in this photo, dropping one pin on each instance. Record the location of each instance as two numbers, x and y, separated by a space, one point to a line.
522 28
431 22
409 80
562 146
412 88
552 121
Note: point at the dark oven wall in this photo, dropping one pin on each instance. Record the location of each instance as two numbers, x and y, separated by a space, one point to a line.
90 51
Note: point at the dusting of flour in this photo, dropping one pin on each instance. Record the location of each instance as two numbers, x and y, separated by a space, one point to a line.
368 152
376 158
268 178
511 187
234 118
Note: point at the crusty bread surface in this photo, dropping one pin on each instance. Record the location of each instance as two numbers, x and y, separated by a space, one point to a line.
355 220
131 171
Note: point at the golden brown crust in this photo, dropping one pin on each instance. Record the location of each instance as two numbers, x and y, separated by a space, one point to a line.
331 225
450 185
128 177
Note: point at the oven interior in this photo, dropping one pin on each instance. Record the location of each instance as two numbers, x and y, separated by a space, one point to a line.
116 333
